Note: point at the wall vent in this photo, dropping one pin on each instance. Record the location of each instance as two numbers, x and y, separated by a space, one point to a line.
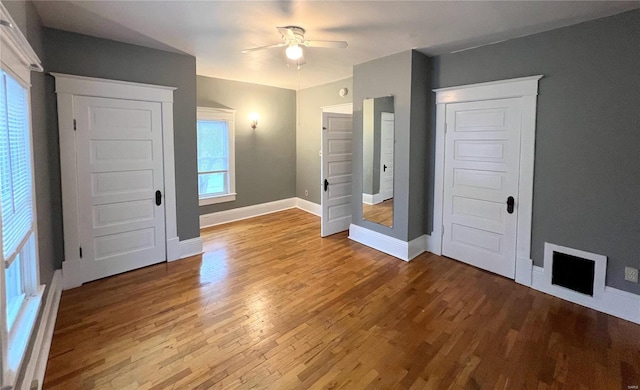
575 271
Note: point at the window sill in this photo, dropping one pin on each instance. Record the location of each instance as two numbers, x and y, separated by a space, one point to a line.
20 335
217 199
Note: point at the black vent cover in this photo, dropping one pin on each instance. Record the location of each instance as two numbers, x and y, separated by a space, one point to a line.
572 272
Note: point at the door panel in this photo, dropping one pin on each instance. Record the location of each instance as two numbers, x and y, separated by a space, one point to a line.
386 156
120 168
336 170
482 149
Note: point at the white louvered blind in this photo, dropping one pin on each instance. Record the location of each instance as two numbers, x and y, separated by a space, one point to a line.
15 167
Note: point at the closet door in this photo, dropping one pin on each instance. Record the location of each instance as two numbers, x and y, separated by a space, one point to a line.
121 215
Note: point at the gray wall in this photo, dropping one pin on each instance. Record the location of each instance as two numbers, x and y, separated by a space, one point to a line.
45 148
587 166
266 156
421 115
308 134
94 57
393 75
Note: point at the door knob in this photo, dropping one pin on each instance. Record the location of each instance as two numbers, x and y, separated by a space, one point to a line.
510 203
326 185
158 198
384 168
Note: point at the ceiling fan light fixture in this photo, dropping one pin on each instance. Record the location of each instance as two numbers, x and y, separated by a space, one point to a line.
293 52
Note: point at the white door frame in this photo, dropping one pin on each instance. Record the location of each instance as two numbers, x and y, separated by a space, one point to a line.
345 108
66 87
527 89
382 116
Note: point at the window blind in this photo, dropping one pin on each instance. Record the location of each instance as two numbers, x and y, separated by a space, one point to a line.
15 167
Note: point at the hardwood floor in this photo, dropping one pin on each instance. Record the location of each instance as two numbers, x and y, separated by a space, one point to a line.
272 305
381 213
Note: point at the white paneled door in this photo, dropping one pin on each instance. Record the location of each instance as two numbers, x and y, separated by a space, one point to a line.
482 153
386 155
336 173
120 184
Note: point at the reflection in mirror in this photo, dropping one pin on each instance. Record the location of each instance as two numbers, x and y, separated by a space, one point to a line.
377 160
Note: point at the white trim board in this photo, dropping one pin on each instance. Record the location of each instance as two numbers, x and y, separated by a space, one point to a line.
612 301
190 247
256 210
403 250
36 366
240 213
309 207
344 108
525 88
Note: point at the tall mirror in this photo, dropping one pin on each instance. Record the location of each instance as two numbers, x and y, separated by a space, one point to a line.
377 160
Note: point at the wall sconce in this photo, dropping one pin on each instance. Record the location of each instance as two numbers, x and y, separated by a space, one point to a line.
254 117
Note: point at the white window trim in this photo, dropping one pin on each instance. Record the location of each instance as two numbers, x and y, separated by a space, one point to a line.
228 115
18 58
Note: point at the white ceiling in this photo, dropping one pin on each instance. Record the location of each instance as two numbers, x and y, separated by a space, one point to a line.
215 31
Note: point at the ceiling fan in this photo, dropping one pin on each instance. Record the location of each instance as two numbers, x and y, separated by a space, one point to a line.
293 39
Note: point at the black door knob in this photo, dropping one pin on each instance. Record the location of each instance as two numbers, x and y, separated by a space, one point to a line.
326 185
510 203
384 168
158 198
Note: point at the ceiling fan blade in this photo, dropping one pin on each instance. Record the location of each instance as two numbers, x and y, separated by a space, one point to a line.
264 47
287 33
327 44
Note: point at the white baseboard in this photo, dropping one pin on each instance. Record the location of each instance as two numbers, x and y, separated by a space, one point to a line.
190 247
367 198
309 207
392 246
612 301
431 245
523 271
36 367
220 217
372 199
173 249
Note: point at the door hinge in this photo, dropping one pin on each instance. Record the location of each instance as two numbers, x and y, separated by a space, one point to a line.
81 252
75 126
442 230
445 127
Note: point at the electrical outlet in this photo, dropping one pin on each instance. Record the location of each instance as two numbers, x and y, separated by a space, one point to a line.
306 192
631 274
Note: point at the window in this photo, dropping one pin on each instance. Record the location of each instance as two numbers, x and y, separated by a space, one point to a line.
216 176
20 293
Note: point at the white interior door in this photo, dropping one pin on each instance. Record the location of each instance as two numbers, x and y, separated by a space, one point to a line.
120 169
482 151
386 155
336 173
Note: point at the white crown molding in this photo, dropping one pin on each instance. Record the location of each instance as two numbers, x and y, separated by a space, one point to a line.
500 89
117 89
16 54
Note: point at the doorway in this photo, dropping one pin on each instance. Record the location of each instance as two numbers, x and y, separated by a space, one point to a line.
336 169
485 137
